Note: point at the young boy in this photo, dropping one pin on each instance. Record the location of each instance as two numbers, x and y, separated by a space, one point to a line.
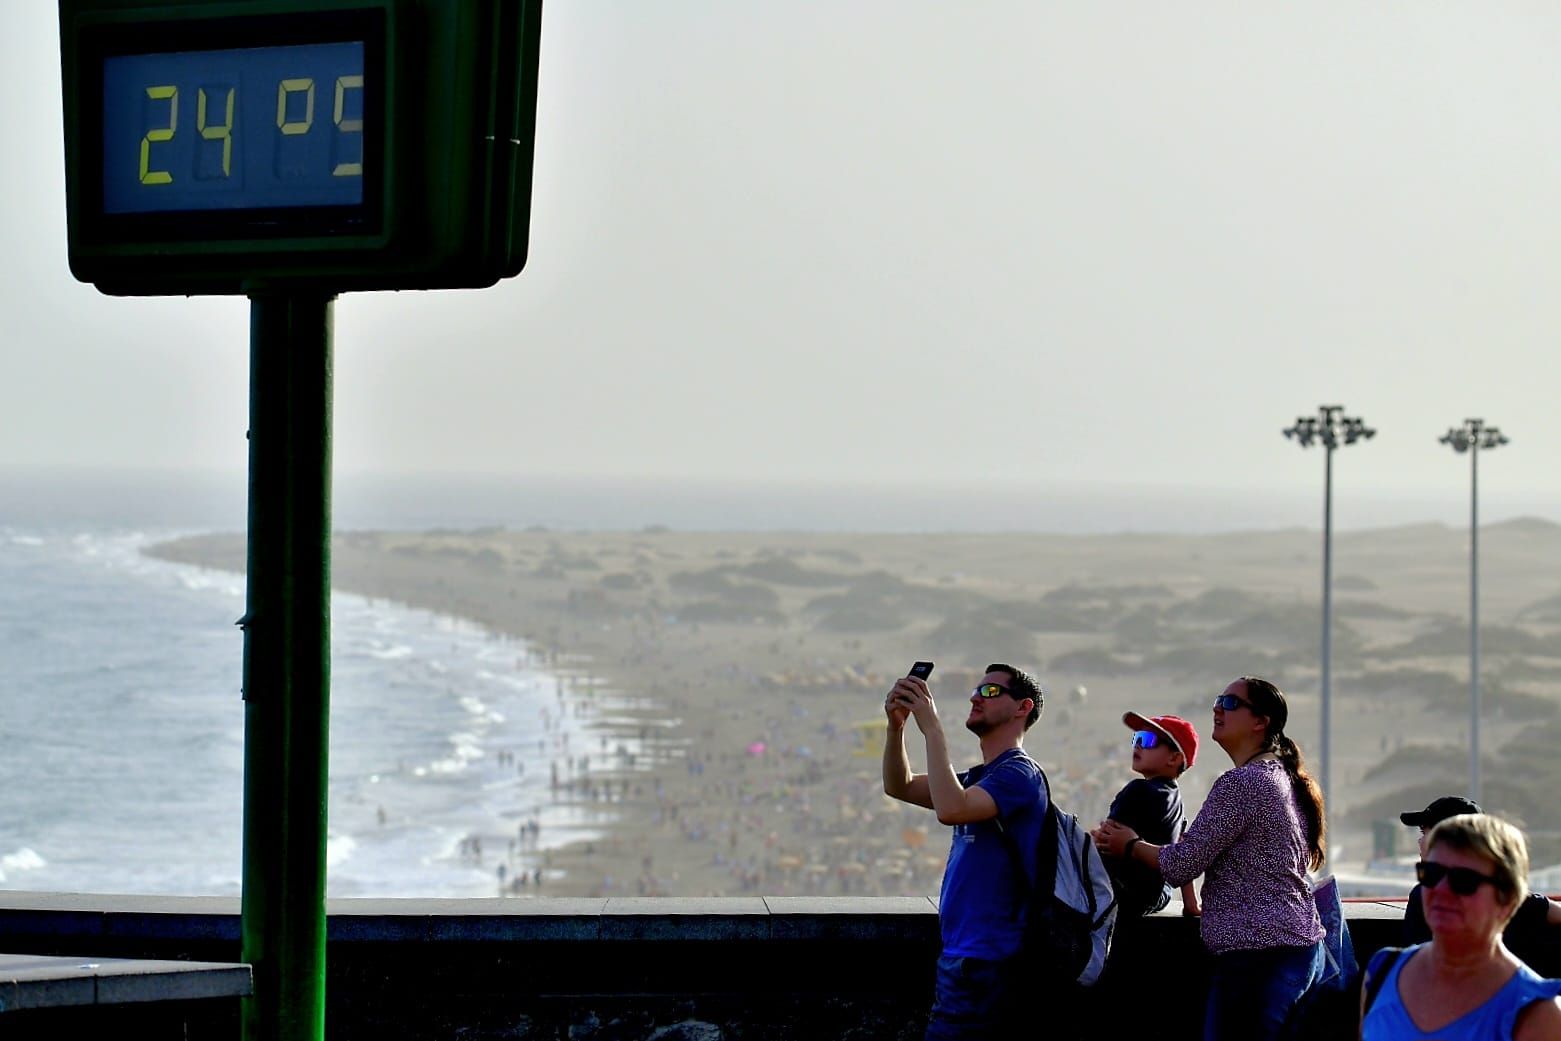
1163 747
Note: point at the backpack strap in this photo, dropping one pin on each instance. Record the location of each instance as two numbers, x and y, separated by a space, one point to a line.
1377 972
1012 845
1020 874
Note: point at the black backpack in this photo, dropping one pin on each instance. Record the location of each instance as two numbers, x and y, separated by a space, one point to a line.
1070 909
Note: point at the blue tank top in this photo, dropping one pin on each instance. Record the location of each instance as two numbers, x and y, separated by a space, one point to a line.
1387 1020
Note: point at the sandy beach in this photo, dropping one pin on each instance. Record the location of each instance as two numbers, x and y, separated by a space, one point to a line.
736 680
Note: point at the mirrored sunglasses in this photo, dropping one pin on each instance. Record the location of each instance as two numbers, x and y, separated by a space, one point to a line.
1149 739
989 690
1461 880
1230 703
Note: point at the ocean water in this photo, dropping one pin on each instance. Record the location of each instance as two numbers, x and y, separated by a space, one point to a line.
123 733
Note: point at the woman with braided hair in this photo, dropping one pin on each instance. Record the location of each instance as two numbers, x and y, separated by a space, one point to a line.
1259 831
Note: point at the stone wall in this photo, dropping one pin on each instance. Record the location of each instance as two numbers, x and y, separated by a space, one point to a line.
668 969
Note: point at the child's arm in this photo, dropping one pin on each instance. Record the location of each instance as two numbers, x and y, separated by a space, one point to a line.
1189 891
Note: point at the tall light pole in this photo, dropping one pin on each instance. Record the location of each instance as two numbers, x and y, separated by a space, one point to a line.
1471 437
1331 428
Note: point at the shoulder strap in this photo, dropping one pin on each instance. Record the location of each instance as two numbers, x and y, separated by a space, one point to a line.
1377 971
1012 845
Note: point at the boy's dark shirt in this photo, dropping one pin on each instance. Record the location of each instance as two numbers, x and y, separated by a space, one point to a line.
1152 807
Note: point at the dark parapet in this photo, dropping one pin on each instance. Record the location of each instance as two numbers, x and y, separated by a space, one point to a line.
600 969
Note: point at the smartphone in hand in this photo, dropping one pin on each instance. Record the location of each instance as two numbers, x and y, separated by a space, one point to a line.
921 670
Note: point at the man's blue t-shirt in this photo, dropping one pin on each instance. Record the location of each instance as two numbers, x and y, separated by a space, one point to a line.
978 908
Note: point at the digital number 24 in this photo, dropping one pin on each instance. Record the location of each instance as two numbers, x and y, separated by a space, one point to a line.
224 131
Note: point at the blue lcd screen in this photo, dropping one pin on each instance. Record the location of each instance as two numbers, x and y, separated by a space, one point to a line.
256 128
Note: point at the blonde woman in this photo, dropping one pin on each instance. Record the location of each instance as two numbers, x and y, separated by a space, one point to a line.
1464 985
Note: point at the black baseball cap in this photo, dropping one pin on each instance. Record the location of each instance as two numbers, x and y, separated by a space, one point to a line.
1439 810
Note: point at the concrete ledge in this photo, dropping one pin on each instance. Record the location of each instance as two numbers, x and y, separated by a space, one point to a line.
1375 910
37 982
121 982
628 969
31 982
686 919
893 918
61 916
712 919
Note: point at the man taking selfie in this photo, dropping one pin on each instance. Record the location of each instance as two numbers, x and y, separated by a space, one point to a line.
979 982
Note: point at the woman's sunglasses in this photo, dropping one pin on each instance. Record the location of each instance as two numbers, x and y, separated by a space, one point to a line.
1149 739
989 690
1230 703
1461 880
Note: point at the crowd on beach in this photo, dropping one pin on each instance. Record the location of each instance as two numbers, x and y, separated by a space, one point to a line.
792 807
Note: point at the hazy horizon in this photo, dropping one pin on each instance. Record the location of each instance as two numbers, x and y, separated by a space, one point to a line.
217 501
899 243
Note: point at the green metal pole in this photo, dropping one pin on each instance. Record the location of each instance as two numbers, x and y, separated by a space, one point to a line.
287 639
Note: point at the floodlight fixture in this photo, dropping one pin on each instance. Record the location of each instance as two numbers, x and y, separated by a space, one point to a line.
1330 428
1355 430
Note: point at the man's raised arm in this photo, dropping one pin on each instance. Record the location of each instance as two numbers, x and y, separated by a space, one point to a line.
898 781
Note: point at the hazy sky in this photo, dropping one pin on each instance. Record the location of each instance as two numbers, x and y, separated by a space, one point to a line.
912 241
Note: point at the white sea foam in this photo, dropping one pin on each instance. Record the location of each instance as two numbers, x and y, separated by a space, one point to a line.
24 859
498 653
524 683
338 848
453 765
466 748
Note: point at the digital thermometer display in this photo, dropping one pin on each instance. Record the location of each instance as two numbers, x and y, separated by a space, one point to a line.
255 128
247 146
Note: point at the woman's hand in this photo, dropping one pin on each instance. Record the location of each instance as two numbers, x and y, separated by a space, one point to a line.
1112 837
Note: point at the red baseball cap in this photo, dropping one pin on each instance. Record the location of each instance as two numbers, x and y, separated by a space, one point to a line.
1174 729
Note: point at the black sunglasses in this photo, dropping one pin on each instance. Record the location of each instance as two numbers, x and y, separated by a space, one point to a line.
1230 703
1461 880
990 690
